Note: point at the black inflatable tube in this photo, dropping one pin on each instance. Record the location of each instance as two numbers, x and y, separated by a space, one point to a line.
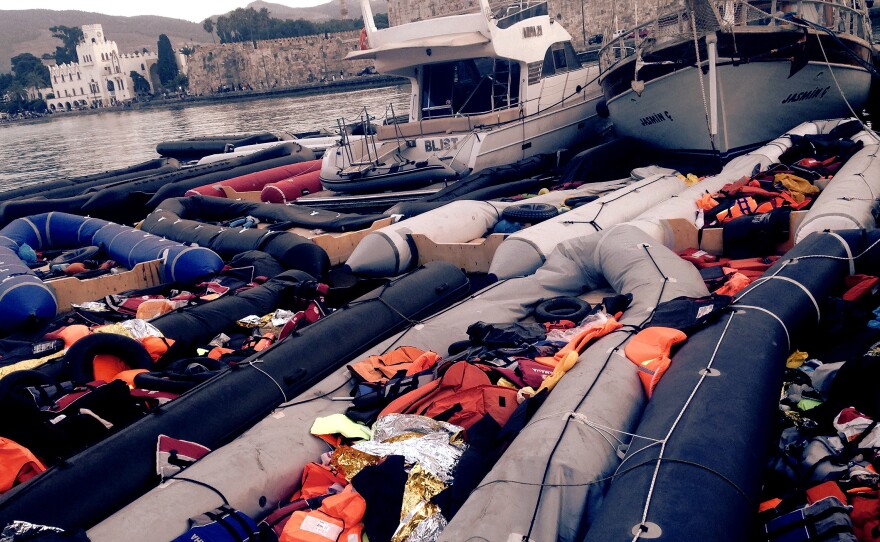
60 188
79 357
293 251
10 210
211 208
122 467
195 176
708 483
195 148
191 326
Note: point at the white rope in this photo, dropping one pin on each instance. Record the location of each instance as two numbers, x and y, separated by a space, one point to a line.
766 311
806 291
253 364
849 256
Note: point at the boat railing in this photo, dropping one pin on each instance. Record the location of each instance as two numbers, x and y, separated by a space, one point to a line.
507 14
839 16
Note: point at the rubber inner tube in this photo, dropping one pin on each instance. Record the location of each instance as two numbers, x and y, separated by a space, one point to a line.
78 361
78 255
22 379
562 308
529 212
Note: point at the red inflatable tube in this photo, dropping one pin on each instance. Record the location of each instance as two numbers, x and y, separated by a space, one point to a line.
257 180
289 190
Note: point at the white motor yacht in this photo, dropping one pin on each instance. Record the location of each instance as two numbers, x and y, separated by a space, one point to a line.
488 88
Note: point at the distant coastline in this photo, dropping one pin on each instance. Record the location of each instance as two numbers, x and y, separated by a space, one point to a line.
330 87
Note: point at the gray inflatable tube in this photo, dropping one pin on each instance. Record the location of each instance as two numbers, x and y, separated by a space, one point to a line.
524 251
693 471
269 458
850 199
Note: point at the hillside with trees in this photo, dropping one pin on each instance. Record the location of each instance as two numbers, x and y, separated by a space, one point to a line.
28 31
248 24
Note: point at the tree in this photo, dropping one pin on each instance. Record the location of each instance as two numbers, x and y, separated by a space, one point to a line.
29 71
140 85
70 37
208 25
167 61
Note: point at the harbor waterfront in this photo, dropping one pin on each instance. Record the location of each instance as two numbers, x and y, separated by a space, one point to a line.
68 146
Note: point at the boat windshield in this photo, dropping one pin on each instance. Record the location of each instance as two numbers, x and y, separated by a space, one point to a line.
510 13
469 87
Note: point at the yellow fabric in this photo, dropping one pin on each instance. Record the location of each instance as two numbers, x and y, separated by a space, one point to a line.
564 366
796 359
339 424
795 184
28 364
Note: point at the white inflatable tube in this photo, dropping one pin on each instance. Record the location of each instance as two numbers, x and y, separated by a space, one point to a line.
388 251
524 251
850 201
684 204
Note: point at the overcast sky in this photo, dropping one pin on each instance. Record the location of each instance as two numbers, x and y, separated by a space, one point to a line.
192 10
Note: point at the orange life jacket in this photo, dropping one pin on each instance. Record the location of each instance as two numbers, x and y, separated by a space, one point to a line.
17 464
580 342
406 358
316 481
649 351
337 520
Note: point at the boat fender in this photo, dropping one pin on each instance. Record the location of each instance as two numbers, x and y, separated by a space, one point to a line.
78 255
530 212
562 308
78 361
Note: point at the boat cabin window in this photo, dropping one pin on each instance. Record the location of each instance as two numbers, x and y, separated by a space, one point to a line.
469 87
560 57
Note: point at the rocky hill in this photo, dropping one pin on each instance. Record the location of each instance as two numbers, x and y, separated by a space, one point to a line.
322 12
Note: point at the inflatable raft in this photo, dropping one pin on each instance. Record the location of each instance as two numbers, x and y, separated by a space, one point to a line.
24 298
850 201
123 465
390 251
655 220
674 457
198 147
259 481
257 180
524 251
171 221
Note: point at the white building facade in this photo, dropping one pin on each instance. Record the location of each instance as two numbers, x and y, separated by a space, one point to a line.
101 78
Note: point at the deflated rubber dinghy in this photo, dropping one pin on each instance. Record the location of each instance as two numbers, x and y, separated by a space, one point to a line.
256 180
150 191
123 465
61 188
684 206
525 250
260 480
197 147
850 199
293 251
705 433
25 298
388 251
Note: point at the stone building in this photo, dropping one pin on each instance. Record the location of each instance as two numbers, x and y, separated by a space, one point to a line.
101 78
273 63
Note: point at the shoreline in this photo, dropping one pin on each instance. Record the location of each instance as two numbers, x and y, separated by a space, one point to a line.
332 87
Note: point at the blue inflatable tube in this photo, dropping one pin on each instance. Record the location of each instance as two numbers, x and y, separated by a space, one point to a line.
25 299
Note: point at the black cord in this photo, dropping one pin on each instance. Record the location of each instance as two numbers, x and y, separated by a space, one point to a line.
205 485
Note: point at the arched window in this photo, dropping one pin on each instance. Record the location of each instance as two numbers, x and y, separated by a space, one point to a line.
78 76
62 77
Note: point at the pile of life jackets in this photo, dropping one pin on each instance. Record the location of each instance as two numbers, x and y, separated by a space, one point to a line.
423 430
822 481
95 371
